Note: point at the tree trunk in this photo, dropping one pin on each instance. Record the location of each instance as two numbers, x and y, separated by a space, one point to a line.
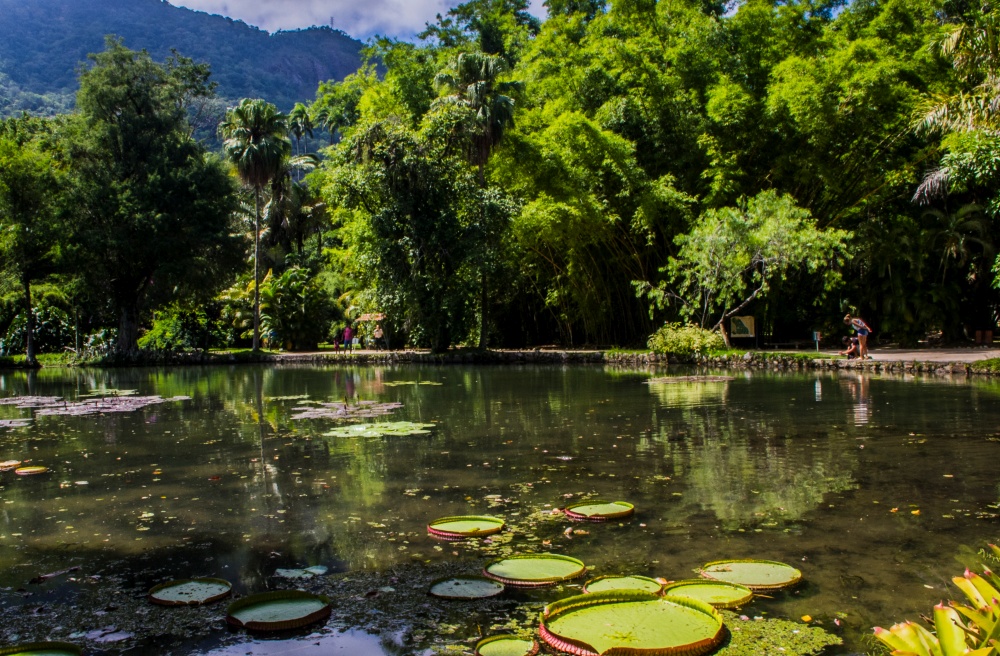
484 316
29 337
256 271
128 331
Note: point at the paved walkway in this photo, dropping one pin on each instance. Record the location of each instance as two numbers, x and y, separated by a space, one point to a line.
968 354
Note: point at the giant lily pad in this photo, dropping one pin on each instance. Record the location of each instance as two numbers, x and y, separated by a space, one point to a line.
345 410
31 471
607 583
717 593
190 592
15 423
465 526
506 645
466 587
758 575
399 383
278 611
381 428
8 465
42 649
599 511
534 571
631 622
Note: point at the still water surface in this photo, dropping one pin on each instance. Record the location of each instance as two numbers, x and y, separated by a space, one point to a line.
878 488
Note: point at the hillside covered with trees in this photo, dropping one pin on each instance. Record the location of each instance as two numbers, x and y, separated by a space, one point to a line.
508 182
43 42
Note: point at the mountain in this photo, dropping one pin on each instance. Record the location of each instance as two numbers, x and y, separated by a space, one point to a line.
43 42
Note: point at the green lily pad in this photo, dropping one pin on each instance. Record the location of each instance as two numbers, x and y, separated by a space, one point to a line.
42 649
465 526
535 570
607 583
599 511
190 592
466 587
381 428
506 645
717 593
757 575
399 383
633 622
31 471
278 611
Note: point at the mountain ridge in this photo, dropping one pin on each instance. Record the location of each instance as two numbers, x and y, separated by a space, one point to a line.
43 42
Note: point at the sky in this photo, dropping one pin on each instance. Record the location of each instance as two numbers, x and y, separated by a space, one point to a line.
361 19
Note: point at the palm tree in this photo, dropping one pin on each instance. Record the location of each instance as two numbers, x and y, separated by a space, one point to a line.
255 140
473 83
300 124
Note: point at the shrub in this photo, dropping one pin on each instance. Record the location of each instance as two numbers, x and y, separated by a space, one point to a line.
179 328
685 340
53 332
295 310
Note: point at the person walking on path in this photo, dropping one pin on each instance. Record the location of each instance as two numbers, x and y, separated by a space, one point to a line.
348 337
863 330
377 337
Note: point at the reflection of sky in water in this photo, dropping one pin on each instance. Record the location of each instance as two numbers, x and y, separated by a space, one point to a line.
349 643
765 465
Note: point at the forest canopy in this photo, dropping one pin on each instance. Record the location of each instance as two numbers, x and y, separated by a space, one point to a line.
587 179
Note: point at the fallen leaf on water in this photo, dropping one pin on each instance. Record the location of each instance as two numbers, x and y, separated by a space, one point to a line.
894 510
915 512
807 618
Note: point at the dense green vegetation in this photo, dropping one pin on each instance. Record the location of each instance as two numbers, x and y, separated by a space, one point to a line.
509 182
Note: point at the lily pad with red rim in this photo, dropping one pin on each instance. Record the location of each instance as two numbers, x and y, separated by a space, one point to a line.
8 465
599 511
506 645
531 571
720 594
31 471
608 583
42 649
465 587
190 592
631 622
465 526
758 575
278 611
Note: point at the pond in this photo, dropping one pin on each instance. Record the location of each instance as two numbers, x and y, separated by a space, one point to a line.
879 489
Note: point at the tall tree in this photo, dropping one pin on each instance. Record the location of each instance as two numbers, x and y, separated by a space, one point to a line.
30 233
155 207
300 124
255 141
474 84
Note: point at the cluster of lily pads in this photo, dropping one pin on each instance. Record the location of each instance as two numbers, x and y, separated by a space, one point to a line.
15 466
635 614
99 402
346 409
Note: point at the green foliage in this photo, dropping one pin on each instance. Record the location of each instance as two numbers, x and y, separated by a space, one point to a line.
179 328
685 340
735 254
296 311
53 331
155 209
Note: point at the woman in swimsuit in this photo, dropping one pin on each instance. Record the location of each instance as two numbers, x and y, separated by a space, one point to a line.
863 330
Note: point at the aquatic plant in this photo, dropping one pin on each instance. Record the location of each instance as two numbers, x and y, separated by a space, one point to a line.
345 410
972 629
631 622
758 575
380 429
89 405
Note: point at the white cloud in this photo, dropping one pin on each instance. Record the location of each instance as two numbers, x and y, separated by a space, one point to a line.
359 18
